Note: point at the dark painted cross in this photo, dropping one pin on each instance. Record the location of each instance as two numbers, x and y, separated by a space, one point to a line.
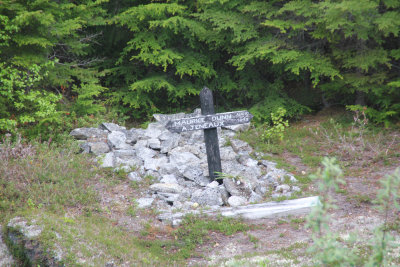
209 121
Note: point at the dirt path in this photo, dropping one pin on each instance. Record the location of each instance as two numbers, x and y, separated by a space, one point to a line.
274 242
284 241
280 241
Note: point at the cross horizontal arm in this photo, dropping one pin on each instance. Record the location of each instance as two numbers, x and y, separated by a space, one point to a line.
209 121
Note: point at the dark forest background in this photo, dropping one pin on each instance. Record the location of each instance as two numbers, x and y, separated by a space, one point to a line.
62 62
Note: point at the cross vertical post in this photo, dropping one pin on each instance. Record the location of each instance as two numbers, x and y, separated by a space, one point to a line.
210 135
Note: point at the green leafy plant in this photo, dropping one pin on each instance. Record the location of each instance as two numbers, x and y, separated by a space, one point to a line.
46 64
22 102
276 131
331 250
380 117
223 175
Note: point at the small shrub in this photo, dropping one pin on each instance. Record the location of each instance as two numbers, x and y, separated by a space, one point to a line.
384 117
276 131
331 250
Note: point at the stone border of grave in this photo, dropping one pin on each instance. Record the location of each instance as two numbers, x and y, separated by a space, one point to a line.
6 258
178 162
22 239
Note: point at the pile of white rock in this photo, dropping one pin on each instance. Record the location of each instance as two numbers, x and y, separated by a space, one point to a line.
178 162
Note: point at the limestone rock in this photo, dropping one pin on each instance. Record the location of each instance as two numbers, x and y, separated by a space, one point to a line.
228 133
108 160
130 162
169 168
271 178
261 188
117 140
293 179
133 135
168 197
254 197
28 230
98 148
248 161
227 153
282 188
145 153
23 236
233 168
250 176
154 130
125 153
296 188
235 201
124 168
169 179
111 127
86 133
154 143
209 196
166 135
85 147
167 145
239 145
134 177
196 175
196 137
224 193
213 184
152 173
154 164
268 163
166 188
141 143
237 188
144 202
181 160
5 256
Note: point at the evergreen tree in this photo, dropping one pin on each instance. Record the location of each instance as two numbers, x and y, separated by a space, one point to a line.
45 53
350 50
176 48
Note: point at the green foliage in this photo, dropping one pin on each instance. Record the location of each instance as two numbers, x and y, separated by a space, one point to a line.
378 117
331 250
262 110
348 50
45 61
387 199
21 102
185 46
276 131
145 57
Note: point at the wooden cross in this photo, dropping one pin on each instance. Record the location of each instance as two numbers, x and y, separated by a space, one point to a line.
209 121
